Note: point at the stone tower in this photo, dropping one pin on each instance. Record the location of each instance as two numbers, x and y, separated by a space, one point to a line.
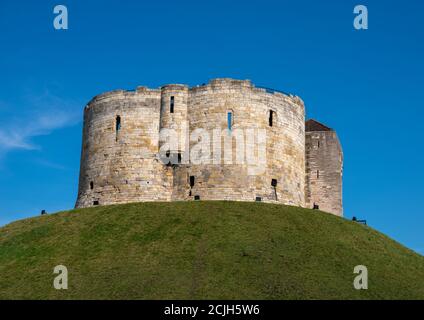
324 168
125 155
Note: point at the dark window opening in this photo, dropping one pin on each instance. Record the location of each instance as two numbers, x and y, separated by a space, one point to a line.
171 104
258 199
189 194
165 158
316 207
95 202
196 197
317 174
318 144
171 158
91 185
191 181
274 185
168 157
118 123
230 120
271 118
117 126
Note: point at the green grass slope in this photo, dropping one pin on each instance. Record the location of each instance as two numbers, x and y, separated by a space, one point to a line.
203 250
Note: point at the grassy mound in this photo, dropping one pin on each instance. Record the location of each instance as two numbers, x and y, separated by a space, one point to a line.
203 250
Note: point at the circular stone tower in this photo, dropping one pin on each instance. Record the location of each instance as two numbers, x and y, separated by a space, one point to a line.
253 145
266 124
119 150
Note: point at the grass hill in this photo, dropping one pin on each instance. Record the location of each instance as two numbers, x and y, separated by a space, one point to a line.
203 250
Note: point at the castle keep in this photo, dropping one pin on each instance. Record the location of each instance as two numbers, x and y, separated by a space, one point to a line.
123 158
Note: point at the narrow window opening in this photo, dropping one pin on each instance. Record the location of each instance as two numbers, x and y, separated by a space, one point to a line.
95 202
274 185
117 126
230 120
258 199
318 144
192 181
118 123
196 197
317 174
171 104
271 118
179 158
91 185
167 160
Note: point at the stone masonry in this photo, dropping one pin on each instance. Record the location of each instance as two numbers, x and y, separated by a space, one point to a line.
122 158
324 168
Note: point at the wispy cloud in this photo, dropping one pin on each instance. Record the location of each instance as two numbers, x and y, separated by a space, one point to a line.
50 164
43 114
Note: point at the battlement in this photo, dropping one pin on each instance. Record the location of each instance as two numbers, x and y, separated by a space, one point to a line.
182 87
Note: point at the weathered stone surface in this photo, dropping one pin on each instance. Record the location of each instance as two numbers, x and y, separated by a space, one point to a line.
124 165
324 168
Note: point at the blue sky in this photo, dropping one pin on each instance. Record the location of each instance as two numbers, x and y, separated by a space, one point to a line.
367 85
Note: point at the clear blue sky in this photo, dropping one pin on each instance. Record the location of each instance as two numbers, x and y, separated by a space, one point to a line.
368 85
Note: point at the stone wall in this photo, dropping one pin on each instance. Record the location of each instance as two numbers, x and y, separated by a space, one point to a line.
285 144
324 169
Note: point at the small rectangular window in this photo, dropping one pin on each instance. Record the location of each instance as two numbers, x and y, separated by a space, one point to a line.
258 199
95 202
171 105
196 197
274 185
317 174
117 126
271 118
191 181
230 120
118 123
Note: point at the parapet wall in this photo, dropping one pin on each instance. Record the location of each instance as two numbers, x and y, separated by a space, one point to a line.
123 145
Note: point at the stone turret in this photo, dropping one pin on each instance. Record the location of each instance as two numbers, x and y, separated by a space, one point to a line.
324 168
